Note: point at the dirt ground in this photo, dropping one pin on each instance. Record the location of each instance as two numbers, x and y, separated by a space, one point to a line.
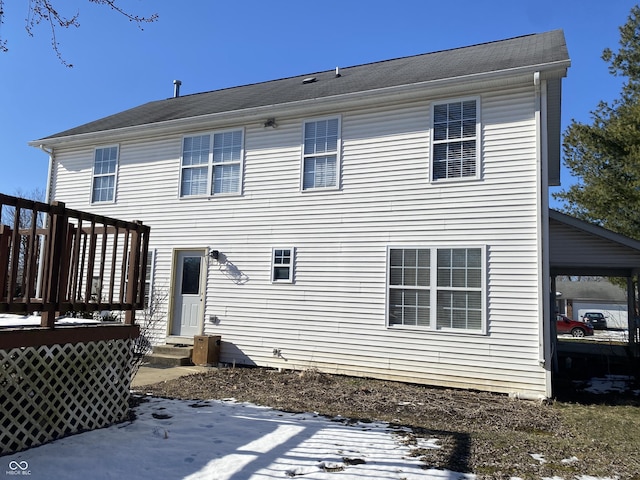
491 435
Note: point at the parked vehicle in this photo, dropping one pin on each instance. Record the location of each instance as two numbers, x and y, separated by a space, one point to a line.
578 329
596 319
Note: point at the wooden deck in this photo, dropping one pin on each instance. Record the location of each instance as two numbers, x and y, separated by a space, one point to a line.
54 259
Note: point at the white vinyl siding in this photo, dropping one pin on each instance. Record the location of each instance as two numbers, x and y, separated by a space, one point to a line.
456 302
455 145
211 164
105 166
282 265
334 316
320 167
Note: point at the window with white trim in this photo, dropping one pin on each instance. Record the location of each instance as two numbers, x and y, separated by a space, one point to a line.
455 140
105 166
459 289
282 265
211 164
436 288
320 160
409 286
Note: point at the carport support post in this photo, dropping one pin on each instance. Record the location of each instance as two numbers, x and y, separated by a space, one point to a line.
632 317
553 334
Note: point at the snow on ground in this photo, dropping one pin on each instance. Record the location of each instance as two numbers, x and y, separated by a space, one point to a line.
226 440
611 384
10 320
190 440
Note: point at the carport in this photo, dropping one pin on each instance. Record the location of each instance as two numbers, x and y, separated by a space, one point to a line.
579 248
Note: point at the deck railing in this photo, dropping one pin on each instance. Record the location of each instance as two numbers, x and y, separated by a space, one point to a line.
55 260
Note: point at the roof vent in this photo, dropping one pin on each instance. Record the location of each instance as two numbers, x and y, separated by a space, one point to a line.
176 88
309 80
338 72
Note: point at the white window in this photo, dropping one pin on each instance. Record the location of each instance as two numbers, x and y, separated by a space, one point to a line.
409 286
320 159
211 164
105 165
282 265
455 140
436 288
459 290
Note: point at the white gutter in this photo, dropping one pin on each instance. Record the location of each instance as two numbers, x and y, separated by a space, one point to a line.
49 172
544 280
445 86
47 199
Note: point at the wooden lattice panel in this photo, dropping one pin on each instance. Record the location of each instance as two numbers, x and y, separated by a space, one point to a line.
48 392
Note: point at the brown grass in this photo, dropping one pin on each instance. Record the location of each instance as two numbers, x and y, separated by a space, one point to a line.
490 435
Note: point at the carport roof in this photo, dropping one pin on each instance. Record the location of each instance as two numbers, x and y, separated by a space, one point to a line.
577 247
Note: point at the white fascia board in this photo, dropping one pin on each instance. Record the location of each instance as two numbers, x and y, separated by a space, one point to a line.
316 106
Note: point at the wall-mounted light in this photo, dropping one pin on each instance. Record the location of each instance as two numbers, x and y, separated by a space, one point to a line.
271 122
214 254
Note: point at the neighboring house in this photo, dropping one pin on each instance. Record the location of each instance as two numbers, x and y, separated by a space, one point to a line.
575 298
387 220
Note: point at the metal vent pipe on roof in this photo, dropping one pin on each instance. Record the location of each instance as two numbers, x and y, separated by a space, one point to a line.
176 88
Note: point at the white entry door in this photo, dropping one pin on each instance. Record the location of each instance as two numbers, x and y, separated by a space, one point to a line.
188 296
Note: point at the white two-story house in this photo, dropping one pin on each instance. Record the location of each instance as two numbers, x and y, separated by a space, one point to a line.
386 220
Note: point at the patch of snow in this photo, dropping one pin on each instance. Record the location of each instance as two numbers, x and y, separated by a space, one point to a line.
11 320
228 440
610 336
569 460
538 457
431 443
609 384
589 477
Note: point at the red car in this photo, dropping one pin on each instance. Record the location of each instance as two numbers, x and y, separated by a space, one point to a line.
577 329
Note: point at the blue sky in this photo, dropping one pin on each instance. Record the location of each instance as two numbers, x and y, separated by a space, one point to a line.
211 44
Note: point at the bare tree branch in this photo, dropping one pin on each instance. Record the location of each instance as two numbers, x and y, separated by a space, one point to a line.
44 11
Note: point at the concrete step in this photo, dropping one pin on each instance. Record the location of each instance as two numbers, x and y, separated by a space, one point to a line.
169 355
173 350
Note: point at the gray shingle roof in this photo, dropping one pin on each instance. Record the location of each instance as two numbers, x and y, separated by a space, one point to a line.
529 50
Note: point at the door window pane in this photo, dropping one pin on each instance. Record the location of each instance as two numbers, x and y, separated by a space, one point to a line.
191 276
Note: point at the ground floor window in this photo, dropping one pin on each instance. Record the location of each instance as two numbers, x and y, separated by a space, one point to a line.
436 288
282 265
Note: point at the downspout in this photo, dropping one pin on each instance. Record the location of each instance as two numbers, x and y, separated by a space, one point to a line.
49 172
47 199
544 274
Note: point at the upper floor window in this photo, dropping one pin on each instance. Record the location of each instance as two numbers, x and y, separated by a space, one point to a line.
321 154
211 164
282 265
455 144
440 288
105 165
